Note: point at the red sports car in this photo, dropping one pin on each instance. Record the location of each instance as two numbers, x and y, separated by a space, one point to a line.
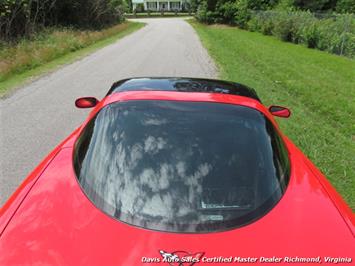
176 171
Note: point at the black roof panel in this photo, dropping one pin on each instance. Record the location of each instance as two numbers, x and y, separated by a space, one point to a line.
183 85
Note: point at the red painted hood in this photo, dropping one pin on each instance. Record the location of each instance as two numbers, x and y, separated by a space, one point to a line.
57 225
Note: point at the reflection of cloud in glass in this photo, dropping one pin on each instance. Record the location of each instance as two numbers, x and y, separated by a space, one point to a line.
163 200
159 205
153 145
154 122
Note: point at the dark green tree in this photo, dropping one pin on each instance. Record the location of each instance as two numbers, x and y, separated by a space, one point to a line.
345 6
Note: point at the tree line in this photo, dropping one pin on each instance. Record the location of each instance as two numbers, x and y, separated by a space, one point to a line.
22 18
229 11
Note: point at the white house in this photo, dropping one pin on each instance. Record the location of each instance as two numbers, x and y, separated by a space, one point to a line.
161 5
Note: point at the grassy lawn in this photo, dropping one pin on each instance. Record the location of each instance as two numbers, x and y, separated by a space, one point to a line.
30 58
317 86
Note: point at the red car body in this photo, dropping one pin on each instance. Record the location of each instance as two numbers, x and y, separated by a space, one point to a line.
50 221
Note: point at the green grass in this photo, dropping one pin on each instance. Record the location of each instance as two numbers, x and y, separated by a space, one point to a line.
317 86
32 58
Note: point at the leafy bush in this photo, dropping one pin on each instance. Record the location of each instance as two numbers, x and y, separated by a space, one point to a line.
337 34
225 13
242 14
282 26
345 6
204 15
261 22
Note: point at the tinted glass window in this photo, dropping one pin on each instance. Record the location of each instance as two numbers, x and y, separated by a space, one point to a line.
182 166
183 85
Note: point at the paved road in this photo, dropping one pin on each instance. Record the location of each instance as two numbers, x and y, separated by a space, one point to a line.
37 117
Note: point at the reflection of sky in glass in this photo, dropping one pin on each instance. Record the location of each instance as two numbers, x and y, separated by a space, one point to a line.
178 163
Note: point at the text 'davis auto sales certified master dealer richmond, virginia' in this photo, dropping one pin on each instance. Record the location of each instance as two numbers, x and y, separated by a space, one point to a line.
183 258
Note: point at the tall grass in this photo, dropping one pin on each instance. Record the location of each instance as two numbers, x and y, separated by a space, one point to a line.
332 33
47 46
